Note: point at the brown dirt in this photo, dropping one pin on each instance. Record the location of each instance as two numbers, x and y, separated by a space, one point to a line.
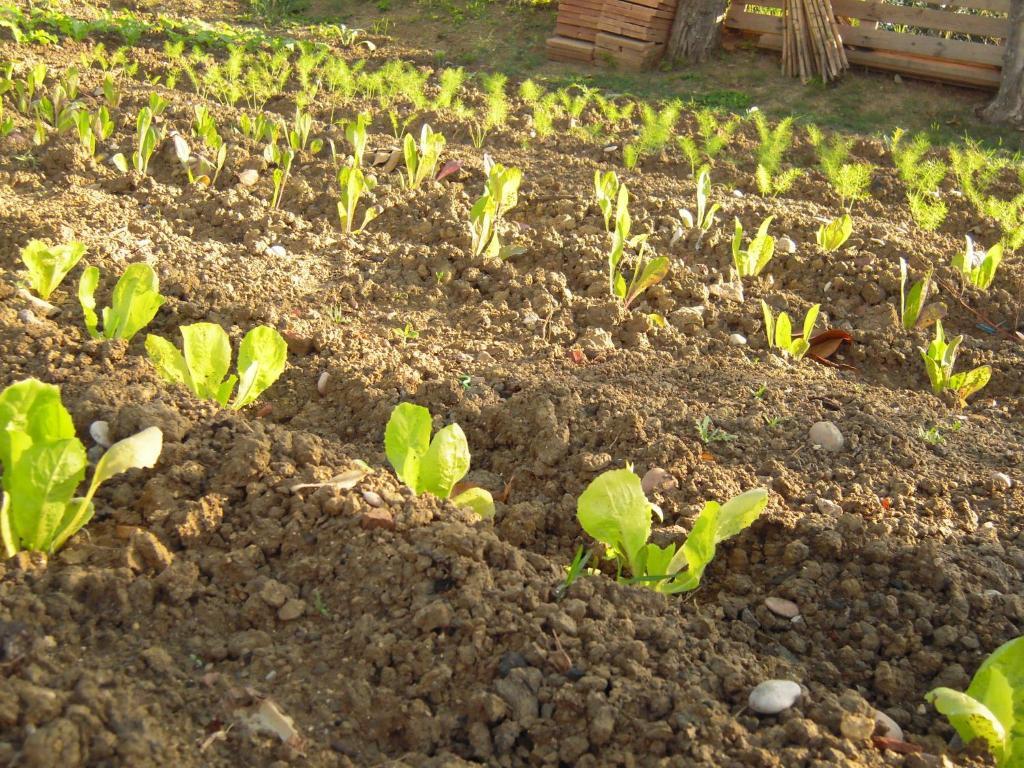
410 634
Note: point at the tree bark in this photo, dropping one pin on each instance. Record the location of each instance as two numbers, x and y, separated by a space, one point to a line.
697 30
1008 105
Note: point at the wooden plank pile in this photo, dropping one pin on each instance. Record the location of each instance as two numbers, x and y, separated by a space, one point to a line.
867 31
811 44
629 34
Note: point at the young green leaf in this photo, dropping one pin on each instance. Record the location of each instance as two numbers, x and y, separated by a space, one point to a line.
445 462
47 266
135 302
262 357
477 500
406 440
831 237
614 510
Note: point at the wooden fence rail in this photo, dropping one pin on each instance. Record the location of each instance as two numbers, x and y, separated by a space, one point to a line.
963 62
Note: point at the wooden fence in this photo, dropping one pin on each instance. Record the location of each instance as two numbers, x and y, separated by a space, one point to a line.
870 44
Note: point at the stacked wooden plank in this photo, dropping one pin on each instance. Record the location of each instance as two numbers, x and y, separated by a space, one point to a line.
629 34
868 32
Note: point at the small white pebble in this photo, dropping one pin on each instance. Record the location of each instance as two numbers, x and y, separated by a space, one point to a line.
277 251
889 726
1001 481
787 609
321 383
27 317
773 696
737 193
786 245
826 435
373 498
657 479
737 339
100 433
827 506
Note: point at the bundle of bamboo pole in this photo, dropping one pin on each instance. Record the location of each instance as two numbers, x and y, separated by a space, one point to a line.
811 44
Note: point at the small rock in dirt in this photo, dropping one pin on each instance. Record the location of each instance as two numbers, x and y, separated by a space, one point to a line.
596 340
827 506
373 498
857 727
56 743
99 431
277 251
657 479
292 609
1000 481
509 661
887 726
826 435
377 519
520 699
147 553
435 615
274 593
159 660
248 177
773 696
737 193
321 383
602 725
688 317
727 291
178 581
737 339
782 607
40 307
244 643
786 245
28 317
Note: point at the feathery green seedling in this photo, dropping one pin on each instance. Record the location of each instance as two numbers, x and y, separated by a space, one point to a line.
832 236
615 511
750 261
496 107
976 169
656 129
435 465
44 462
611 112
779 331
912 301
940 359
353 184
646 272
545 110
205 357
977 265
715 136
771 179
450 82
355 135
709 433
47 267
501 193
991 709
606 190
850 181
421 159
134 303
573 104
922 177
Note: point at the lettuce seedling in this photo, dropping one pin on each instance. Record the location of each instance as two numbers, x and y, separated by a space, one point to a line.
44 462
606 190
705 215
205 358
501 193
355 135
831 237
977 265
912 301
421 160
47 266
134 303
353 183
146 139
645 272
940 359
750 261
992 709
615 511
432 465
779 331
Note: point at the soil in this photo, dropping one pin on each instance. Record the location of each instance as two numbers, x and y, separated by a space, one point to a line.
396 630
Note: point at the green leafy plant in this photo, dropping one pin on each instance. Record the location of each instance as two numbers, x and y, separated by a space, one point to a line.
435 465
645 272
134 303
752 260
977 265
421 159
43 464
992 709
614 511
147 137
657 127
705 215
922 176
501 193
709 433
606 190
355 135
284 159
779 331
715 135
496 101
850 181
832 236
770 178
353 184
912 301
406 333
940 359
48 266
205 357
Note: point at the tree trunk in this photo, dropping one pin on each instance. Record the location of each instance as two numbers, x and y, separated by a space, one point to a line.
1008 106
697 30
